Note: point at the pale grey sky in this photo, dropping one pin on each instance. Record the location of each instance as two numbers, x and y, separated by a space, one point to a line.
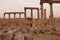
18 5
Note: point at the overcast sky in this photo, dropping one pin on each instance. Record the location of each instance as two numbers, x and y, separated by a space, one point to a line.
18 5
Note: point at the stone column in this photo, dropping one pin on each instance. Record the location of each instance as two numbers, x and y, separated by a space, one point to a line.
19 18
32 15
41 13
25 15
14 18
44 17
9 17
38 16
44 14
51 14
4 17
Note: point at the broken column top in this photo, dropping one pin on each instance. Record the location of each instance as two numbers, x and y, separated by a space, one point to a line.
48 1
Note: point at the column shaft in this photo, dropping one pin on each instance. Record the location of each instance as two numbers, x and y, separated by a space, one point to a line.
32 15
41 13
9 17
19 18
4 17
51 14
14 18
44 14
38 16
25 15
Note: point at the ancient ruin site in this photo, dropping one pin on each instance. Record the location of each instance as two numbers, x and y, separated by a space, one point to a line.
28 28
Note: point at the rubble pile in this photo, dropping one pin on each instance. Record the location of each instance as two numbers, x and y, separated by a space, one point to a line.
19 33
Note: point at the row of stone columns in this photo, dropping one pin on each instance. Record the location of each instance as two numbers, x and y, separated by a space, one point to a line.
25 9
14 13
51 13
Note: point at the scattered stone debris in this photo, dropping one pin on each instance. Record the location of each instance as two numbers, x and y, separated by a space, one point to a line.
18 33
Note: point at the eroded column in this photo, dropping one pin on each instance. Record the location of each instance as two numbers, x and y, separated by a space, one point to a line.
41 13
25 15
38 16
4 17
32 15
14 18
9 17
19 18
44 15
51 14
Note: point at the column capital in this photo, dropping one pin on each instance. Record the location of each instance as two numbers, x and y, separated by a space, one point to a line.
14 13
19 13
44 9
4 13
24 8
50 3
41 3
9 13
